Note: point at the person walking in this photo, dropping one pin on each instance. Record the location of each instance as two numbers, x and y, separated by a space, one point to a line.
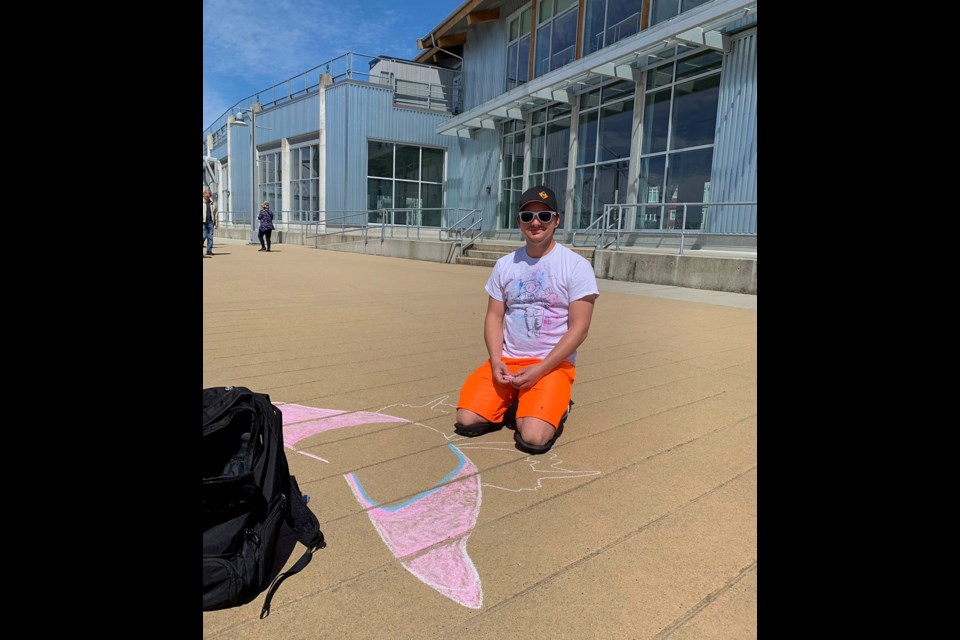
209 219
266 226
539 307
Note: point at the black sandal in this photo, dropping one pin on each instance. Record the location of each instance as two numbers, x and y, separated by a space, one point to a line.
474 430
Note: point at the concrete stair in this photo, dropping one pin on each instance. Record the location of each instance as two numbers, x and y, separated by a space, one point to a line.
486 254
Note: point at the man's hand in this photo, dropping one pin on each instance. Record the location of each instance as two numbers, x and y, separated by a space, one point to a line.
501 374
527 377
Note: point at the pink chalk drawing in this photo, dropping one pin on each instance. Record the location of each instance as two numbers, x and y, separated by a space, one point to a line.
427 533
300 422
436 522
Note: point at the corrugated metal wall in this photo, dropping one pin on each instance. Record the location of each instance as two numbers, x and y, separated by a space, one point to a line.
475 162
357 113
288 120
473 166
484 62
238 143
734 174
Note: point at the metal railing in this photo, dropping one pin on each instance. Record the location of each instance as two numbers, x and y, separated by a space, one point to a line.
464 233
418 223
404 77
660 219
463 227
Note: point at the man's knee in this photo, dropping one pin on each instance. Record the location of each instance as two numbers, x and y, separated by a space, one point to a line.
535 431
465 417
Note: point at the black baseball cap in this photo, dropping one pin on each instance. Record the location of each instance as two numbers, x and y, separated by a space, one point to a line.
539 194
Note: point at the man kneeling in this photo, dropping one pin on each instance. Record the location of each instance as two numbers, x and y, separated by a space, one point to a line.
540 304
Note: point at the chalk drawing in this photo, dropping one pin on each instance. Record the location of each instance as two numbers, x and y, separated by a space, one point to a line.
436 523
300 422
538 465
427 533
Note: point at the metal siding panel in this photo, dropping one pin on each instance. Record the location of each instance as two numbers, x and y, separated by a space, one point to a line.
357 113
239 167
734 172
478 168
485 63
336 120
288 120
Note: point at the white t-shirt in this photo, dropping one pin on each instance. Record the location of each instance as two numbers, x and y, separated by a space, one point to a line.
537 293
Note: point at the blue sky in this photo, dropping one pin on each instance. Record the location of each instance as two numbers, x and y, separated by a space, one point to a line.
251 45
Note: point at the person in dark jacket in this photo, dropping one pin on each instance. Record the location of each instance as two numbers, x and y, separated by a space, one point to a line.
266 226
210 221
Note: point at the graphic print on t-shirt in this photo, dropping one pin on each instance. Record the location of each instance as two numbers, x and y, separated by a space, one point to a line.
532 296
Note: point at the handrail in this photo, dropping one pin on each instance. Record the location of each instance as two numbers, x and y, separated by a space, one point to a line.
596 223
466 245
461 230
665 226
322 226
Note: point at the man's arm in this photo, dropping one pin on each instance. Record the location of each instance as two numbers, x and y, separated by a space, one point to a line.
493 338
578 326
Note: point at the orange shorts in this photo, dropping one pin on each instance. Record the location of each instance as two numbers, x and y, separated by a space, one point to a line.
548 399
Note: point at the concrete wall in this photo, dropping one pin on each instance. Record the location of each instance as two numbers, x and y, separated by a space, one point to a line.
737 275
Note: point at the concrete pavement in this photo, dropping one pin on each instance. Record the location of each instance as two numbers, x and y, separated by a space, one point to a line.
641 522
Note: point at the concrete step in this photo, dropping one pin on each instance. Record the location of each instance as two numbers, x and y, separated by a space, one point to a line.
477 262
473 253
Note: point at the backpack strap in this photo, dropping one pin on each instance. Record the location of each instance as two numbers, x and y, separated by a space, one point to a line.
306 527
296 568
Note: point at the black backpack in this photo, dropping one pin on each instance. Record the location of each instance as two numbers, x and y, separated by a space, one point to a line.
253 511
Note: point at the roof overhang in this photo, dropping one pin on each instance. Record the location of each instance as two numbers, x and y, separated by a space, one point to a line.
452 31
699 27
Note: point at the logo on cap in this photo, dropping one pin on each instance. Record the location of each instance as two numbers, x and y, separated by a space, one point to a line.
543 194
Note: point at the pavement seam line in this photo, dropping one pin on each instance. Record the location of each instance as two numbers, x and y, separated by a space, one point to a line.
703 604
556 575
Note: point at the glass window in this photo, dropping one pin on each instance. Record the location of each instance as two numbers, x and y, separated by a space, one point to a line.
408 162
432 165
656 122
550 148
695 112
518 49
609 21
587 137
431 198
603 149
662 10
584 201
616 122
649 187
511 179
271 182
379 194
304 185
679 125
380 159
406 178
687 179
659 77
556 35
699 64
538 143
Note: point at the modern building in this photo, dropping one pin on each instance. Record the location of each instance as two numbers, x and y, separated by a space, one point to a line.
636 112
